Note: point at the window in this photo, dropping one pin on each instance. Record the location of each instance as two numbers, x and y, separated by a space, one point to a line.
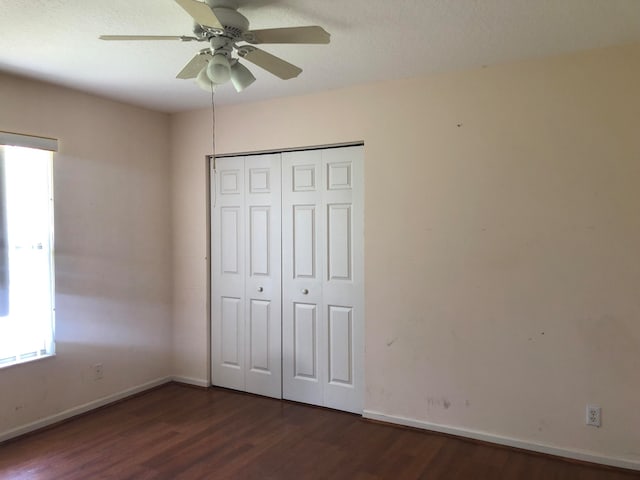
26 249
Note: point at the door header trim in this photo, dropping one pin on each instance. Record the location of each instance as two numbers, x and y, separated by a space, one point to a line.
294 149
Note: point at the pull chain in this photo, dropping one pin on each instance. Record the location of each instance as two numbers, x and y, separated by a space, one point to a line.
213 148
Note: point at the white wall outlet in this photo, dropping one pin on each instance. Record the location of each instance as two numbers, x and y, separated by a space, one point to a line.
98 371
594 415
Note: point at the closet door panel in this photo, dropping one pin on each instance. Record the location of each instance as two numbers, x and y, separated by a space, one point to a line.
343 282
263 311
304 241
305 344
340 345
304 359
339 246
227 275
231 332
260 325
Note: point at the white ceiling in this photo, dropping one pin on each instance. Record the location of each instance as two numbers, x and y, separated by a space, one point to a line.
372 40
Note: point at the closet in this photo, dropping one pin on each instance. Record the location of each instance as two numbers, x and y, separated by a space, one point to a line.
287 296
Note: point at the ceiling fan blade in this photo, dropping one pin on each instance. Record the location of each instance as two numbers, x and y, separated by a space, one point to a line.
307 35
201 13
270 63
194 66
147 37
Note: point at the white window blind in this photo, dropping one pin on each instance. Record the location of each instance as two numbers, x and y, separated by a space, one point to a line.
28 141
26 248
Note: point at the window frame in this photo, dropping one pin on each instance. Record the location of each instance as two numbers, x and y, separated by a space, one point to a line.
9 139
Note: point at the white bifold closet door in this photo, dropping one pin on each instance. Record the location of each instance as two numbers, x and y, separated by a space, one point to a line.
246 275
322 268
287 276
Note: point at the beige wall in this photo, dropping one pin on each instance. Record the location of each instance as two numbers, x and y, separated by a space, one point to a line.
501 243
501 246
113 267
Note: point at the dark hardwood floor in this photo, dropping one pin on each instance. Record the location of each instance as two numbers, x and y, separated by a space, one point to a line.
177 432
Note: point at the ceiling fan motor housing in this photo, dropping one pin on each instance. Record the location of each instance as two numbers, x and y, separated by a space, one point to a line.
234 23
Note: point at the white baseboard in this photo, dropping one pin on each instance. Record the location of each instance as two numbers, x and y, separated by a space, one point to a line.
192 381
510 442
72 412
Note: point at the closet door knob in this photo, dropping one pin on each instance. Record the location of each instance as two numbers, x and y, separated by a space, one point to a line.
305 291
260 289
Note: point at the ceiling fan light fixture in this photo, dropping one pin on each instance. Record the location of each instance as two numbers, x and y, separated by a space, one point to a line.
218 69
241 76
204 82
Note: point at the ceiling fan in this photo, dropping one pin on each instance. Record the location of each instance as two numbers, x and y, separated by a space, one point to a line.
223 27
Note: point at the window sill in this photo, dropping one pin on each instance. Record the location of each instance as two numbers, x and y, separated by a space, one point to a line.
26 361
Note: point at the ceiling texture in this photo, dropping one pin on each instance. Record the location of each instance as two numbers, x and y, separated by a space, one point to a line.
371 40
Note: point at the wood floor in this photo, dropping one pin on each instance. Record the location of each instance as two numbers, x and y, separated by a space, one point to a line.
177 432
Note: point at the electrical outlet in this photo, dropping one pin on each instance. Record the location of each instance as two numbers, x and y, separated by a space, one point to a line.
98 372
594 415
